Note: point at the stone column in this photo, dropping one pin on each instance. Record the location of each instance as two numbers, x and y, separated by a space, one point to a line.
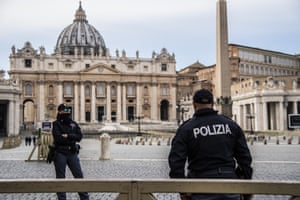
173 102
252 114
265 116
82 103
154 103
282 116
124 101
240 116
76 102
60 92
108 103
17 117
93 104
257 116
119 100
11 116
272 116
138 100
41 106
295 107
245 119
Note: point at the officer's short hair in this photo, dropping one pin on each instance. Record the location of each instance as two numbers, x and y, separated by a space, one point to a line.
203 96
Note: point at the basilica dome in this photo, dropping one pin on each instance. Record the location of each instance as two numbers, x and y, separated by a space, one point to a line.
80 36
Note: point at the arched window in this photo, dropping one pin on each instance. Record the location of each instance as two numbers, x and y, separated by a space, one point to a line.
100 89
146 91
164 90
28 89
51 90
113 91
87 91
130 90
68 89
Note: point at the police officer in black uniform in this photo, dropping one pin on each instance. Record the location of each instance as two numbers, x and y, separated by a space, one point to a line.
66 134
213 145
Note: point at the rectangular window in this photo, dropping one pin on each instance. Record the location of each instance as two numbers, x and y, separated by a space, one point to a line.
28 63
100 89
28 90
265 59
113 91
87 91
68 66
145 68
51 91
68 89
50 65
164 90
130 90
130 67
164 67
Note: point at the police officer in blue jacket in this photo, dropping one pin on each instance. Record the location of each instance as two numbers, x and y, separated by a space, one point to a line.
67 134
213 145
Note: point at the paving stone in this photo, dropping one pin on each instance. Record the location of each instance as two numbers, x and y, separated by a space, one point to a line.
270 162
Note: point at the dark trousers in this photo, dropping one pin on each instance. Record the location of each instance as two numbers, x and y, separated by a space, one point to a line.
219 173
71 160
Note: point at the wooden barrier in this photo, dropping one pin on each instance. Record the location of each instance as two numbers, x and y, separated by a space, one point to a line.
142 189
42 147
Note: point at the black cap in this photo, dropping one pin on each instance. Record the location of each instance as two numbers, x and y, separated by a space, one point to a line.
64 108
203 96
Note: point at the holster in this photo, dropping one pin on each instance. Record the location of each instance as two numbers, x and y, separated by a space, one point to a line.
51 153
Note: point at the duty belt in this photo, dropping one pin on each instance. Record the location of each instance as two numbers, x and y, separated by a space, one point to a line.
64 148
217 172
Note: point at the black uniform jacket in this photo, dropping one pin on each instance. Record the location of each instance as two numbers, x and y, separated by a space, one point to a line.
209 142
72 129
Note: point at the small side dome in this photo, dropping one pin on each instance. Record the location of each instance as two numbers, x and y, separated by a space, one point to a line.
80 35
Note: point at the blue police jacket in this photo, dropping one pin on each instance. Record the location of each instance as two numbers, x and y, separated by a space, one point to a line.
72 129
209 141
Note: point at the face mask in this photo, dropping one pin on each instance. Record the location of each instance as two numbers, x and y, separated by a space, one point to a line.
65 118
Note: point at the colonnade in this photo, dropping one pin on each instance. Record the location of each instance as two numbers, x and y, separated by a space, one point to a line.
112 103
266 113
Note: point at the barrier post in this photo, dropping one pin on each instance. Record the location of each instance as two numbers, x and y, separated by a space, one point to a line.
104 147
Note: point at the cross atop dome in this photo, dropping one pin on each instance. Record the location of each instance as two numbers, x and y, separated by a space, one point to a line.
80 14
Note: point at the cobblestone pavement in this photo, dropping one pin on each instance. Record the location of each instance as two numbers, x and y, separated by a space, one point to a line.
271 162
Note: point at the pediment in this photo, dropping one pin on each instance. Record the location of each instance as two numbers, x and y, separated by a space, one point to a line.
100 69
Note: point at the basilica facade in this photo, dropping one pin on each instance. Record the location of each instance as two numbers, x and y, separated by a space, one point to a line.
98 86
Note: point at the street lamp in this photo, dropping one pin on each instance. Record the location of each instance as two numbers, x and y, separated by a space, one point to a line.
250 116
183 110
139 124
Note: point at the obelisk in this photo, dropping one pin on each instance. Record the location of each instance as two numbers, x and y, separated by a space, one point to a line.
223 79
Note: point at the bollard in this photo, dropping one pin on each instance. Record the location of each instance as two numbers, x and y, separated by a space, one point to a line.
158 143
277 140
104 147
289 140
265 141
169 141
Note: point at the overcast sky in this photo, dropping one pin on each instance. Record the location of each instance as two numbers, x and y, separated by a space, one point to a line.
186 28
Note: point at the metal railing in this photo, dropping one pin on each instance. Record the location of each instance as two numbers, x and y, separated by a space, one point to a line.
142 189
